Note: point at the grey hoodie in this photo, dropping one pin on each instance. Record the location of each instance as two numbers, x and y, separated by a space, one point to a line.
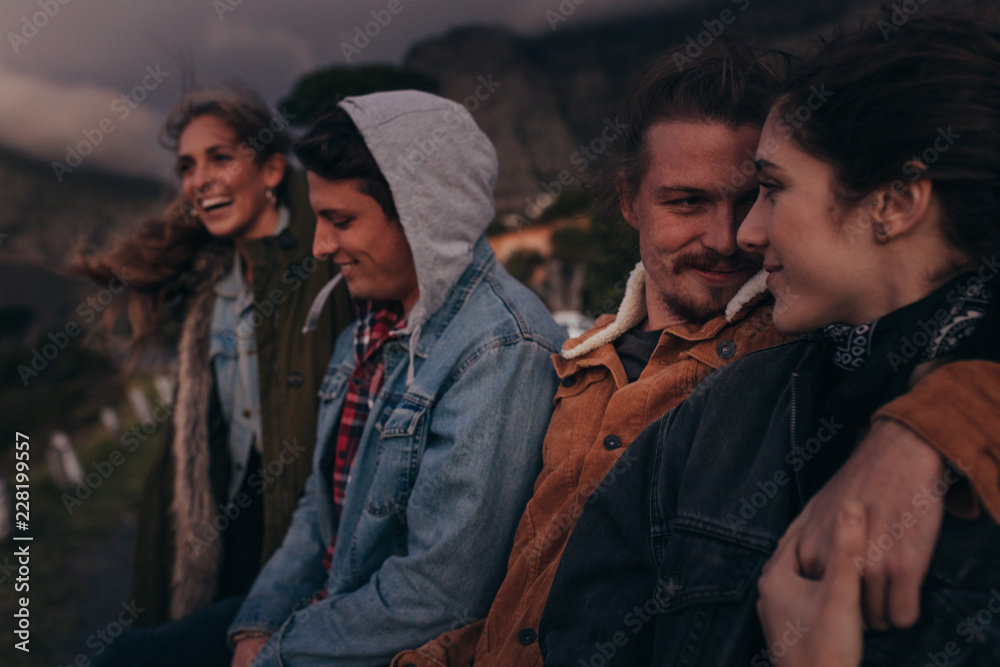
441 170
452 445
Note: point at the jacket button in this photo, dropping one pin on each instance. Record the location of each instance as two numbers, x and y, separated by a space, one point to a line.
569 381
247 413
612 442
527 636
725 349
294 380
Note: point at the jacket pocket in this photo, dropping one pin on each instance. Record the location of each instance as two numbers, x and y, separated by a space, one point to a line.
334 383
575 422
705 598
397 459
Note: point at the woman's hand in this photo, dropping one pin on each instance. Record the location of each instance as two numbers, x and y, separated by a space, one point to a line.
816 623
888 473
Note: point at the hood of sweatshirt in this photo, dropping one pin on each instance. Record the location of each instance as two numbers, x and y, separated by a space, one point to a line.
441 169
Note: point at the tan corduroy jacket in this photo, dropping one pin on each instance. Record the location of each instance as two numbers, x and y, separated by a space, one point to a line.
598 413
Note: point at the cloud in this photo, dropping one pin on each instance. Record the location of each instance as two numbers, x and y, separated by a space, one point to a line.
261 50
41 118
62 82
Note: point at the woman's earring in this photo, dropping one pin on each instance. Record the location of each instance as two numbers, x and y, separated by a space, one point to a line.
882 232
269 193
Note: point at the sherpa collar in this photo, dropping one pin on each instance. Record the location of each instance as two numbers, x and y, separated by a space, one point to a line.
632 312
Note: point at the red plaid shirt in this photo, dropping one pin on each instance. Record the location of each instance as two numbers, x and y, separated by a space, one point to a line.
377 323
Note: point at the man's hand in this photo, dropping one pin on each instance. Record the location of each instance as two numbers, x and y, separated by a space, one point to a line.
890 470
816 623
246 650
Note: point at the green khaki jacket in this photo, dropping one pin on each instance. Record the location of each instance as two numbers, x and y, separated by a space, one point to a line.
180 560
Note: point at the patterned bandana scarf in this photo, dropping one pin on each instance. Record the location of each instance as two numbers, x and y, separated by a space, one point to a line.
871 364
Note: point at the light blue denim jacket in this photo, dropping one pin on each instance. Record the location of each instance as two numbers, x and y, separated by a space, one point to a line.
234 361
452 445
233 353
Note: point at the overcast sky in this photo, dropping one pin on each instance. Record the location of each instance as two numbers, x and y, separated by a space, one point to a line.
63 66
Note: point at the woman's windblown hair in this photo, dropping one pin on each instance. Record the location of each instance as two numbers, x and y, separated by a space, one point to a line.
159 255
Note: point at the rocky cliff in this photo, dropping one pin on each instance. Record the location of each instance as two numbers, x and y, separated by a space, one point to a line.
546 100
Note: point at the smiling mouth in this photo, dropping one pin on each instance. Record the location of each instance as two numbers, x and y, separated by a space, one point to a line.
720 271
211 204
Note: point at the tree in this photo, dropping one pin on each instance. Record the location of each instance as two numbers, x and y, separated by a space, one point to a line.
318 92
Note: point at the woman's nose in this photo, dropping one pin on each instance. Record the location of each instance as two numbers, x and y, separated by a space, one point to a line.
752 234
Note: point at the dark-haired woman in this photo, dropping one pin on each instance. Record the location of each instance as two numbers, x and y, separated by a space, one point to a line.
235 251
878 220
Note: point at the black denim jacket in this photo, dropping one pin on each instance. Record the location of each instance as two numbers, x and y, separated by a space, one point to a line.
663 563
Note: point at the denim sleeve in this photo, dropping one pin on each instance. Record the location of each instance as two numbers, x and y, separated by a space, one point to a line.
482 453
292 576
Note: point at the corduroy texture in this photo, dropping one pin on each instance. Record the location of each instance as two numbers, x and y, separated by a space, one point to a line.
597 415
969 393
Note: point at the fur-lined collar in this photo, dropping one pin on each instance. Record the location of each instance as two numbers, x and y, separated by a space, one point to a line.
632 311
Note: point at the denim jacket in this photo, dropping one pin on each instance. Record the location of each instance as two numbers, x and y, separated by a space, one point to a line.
443 473
233 353
453 440
685 528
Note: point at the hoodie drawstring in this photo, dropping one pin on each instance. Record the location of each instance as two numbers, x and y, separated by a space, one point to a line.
414 341
312 319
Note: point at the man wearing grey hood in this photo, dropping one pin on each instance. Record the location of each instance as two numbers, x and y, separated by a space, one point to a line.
434 406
